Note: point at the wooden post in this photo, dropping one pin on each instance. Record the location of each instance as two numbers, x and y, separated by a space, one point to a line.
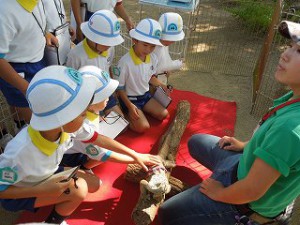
148 203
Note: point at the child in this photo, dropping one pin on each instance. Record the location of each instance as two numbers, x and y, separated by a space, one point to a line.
252 182
58 97
95 5
21 51
58 25
136 70
102 33
172 30
93 155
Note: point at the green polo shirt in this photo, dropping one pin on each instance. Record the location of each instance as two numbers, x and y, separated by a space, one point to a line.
276 142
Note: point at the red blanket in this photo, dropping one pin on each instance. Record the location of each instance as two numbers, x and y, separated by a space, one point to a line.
113 203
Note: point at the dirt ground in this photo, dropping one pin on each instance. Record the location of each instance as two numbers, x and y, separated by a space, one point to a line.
212 84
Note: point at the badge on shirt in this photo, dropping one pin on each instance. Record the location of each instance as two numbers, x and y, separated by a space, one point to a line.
92 150
8 175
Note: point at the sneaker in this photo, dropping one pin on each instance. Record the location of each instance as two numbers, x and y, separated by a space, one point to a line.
64 223
5 139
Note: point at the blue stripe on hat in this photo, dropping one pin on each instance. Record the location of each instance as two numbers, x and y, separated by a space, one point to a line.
100 33
59 83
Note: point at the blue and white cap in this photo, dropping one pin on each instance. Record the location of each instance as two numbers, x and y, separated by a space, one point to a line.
57 95
290 30
103 28
147 30
172 26
105 86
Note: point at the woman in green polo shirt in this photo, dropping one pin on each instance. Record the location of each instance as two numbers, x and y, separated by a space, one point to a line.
252 182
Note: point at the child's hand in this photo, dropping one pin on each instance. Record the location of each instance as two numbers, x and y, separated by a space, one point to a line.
54 187
149 159
167 89
133 112
51 40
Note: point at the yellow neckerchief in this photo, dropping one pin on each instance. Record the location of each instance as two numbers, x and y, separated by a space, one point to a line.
93 118
45 146
136 59
28 5
90 52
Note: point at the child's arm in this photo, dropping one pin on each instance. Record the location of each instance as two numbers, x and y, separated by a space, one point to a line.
51 188
132 109
142 159
121 158
155 82
75 5
8 74
120 10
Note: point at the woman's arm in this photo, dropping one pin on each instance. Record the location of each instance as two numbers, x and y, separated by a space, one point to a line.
258 181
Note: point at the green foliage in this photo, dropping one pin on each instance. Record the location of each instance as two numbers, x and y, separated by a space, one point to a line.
256 15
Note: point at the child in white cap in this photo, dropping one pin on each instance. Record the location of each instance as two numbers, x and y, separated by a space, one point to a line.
94 6
102 33
22 35
88 155
58 97
172 31
136 70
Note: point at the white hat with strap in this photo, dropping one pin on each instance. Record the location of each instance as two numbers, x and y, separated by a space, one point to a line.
57 95
105 86
103 28
147 30
172 26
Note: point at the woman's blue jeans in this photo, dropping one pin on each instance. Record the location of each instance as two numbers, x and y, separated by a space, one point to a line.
191 207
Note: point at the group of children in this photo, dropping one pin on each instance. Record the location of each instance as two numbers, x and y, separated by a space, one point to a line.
63 103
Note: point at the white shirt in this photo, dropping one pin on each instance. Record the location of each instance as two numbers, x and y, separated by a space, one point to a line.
78 57
165 62
92 151
55 14
134 75
27 160
22 38
95 5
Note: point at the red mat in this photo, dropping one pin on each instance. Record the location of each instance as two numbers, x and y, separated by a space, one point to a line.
113 203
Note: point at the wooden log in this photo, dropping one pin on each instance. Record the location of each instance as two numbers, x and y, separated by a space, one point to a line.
148 203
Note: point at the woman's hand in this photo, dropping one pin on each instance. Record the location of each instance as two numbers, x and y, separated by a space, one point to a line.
211 188
232 144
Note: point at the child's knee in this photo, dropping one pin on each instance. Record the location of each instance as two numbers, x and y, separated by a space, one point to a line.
141 128
79 190
163 115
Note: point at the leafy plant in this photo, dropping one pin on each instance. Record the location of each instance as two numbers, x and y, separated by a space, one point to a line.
256 15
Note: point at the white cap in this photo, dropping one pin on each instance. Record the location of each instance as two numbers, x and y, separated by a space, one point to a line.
290 30
103 28
105 86
172 26
57 95
147 30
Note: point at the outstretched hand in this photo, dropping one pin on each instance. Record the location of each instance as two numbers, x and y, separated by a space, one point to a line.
231 144
147 160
